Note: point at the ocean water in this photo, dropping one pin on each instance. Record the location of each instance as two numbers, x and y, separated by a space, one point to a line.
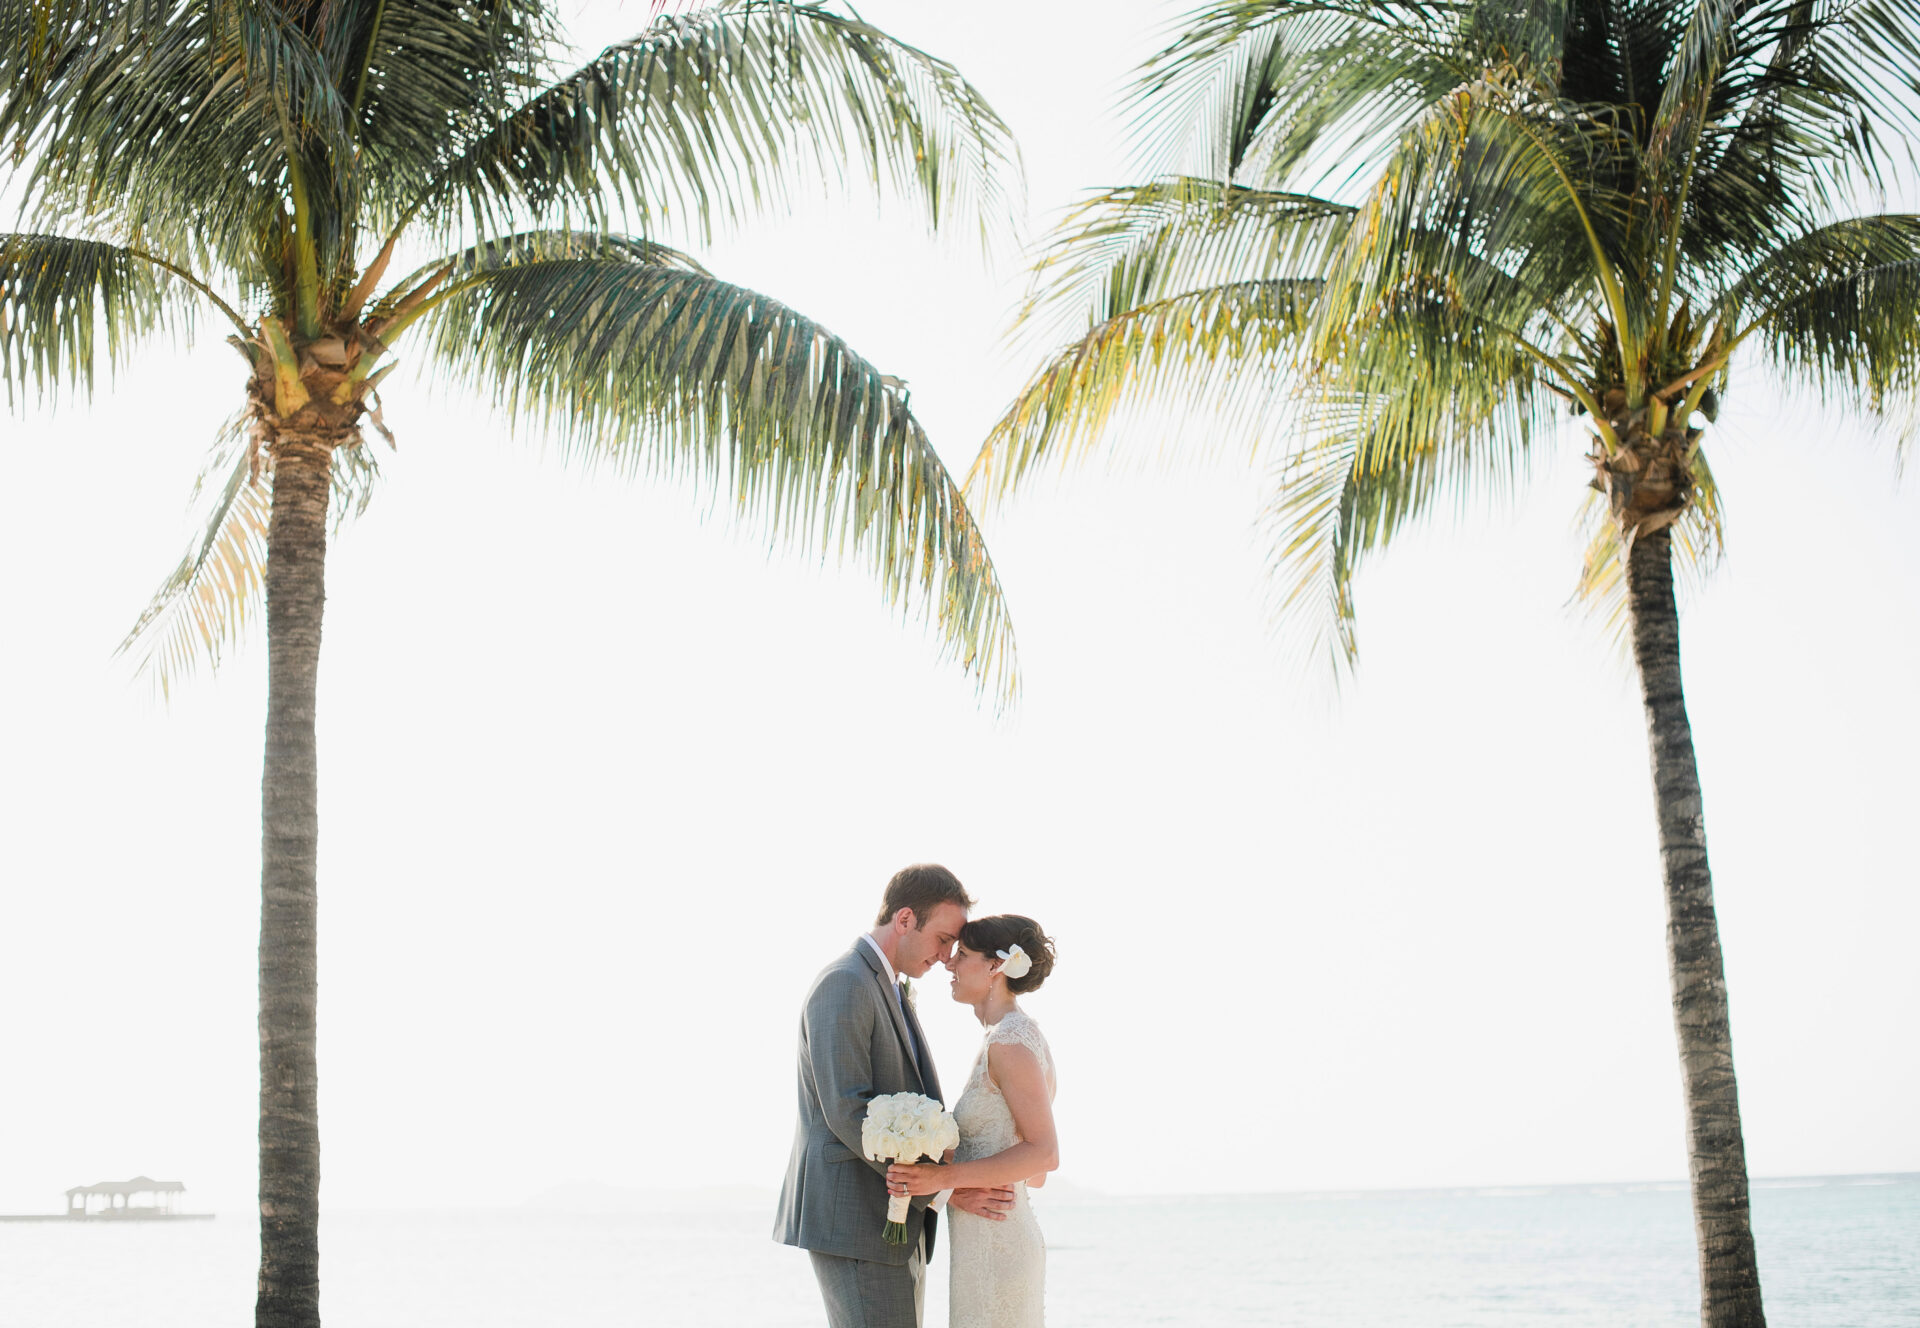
1839 1253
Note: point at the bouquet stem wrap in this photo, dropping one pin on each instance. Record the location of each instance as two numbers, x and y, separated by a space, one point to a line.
895 1231
905 1127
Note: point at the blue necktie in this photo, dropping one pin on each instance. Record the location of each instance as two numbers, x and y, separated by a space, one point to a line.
913 1043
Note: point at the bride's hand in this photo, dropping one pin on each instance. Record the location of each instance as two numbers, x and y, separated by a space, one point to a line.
915 1178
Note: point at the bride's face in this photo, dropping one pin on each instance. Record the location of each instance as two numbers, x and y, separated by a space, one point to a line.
972 974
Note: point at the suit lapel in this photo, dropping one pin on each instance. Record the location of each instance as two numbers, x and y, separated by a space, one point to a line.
893 1004
929 1081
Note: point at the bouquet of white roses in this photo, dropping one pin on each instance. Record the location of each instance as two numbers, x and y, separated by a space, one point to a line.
905 1127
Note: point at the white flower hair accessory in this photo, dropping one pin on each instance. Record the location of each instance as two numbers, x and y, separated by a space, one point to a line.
1015 962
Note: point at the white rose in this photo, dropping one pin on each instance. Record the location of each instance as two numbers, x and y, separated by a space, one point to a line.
907 1126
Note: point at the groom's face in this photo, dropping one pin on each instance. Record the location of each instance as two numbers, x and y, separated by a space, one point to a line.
934 941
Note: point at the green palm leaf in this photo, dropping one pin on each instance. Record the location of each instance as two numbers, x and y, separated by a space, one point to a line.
1838 309
642 361
1498 196
166 129
1326 505
67 305
1123 248
1217 354
1433 404
424 77
1176 290
1248 90
1423 372
705 116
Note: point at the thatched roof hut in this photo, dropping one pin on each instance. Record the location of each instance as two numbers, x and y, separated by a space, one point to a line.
115 1198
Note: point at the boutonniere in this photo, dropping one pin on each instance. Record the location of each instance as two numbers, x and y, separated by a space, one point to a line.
906 991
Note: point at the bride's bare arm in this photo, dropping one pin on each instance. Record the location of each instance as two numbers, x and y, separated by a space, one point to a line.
1016 1072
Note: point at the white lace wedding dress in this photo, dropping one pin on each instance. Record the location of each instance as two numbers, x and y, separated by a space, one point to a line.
999 1268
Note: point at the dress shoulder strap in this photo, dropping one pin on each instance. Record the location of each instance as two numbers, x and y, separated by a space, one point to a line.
1018 1028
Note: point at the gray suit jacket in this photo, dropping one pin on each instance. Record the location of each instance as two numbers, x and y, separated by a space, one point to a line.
854 1046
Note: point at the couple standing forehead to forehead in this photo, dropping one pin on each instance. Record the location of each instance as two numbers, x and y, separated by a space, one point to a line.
860 1038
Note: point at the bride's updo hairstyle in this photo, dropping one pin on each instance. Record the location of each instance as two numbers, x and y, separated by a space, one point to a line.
1003 931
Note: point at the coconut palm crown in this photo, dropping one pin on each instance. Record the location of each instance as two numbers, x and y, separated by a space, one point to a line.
1390 245
343 185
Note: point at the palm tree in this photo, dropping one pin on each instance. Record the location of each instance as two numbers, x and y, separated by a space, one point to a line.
1391 241
262 163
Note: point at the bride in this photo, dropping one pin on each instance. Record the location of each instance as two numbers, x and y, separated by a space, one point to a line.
1006 1128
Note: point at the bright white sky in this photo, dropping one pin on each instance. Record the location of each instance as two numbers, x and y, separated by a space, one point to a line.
605 784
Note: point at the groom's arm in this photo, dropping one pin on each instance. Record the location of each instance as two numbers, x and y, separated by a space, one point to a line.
840 1058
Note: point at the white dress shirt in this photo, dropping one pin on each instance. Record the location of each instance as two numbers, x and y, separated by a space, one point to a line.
885 962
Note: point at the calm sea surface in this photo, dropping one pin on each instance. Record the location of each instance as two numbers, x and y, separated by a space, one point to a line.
1834 1254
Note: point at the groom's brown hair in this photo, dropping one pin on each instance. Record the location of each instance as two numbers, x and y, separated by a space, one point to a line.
921 887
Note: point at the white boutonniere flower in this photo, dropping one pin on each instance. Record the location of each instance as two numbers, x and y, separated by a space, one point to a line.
906 992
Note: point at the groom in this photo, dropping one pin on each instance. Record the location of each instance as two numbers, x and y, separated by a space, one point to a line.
859 1039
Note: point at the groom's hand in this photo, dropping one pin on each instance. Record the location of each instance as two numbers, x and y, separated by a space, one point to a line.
993 1204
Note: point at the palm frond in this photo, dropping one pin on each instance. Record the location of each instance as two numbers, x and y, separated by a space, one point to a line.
1179 288
1768 111
1431 328
181 133
1218 355
1702 51
1498 199
68 304
204 609
706 116
1800 76
201 611
1816 258
1122 249
1838 310
1422 371
1250 88
424 77
1358 479
1427 400
1311 524
1766 117
166 129
1318 92
1619 54
643 362
36 36
1331 509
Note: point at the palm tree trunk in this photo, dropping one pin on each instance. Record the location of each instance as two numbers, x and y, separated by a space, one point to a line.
1716 1152
289 1290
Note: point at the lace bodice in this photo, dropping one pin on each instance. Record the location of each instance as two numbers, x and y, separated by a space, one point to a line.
986 1124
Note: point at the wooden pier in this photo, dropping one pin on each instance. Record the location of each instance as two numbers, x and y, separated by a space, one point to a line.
141 1199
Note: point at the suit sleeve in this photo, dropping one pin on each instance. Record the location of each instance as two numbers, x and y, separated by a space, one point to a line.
840 1056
